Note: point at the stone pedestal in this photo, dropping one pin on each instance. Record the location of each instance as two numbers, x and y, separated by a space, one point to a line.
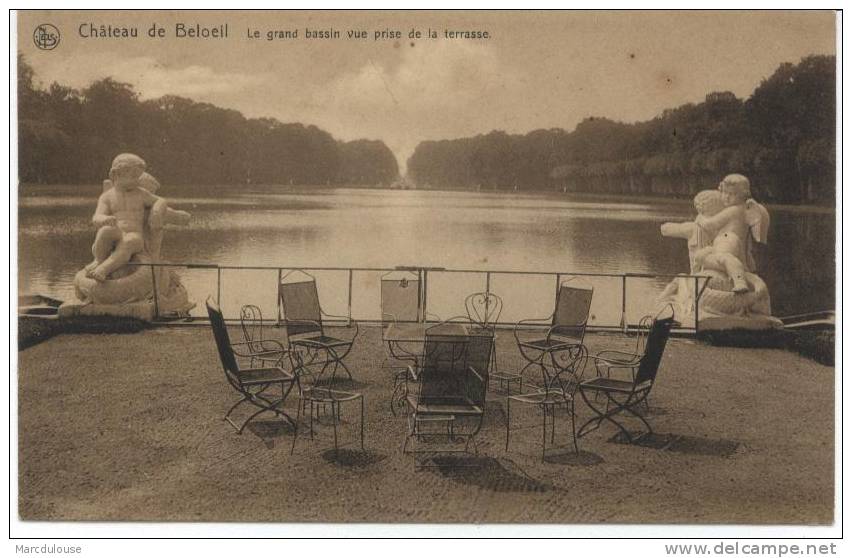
138 310
720 309
754 323
129 293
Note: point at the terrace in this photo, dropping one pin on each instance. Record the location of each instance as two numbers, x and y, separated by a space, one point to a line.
129 427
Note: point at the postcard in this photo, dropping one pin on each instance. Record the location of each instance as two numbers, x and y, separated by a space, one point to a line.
554 268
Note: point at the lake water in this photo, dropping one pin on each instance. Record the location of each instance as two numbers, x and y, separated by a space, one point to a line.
456 230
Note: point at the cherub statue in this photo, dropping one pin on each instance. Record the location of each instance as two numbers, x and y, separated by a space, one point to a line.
721 236
743 219
121 215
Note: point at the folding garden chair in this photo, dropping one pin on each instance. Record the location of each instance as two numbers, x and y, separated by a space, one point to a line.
567 326
303 324
250 383
627 395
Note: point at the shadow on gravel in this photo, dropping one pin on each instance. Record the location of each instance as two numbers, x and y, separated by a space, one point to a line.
652 411
574 459
271 432
353 458
718 447
485 472
691 445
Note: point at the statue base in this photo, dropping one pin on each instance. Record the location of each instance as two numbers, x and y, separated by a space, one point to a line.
143 310
720 309
129 293
753 323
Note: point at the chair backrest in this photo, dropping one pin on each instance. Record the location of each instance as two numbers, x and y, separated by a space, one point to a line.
444 360
251 322
300 301
571 315
654 347
479 349
483 309
400 299
642 329
223 341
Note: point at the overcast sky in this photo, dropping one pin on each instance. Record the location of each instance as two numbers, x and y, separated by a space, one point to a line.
538 70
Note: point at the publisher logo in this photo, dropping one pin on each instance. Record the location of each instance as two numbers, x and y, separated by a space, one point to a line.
46 36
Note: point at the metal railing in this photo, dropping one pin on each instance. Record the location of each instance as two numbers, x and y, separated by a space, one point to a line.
614 316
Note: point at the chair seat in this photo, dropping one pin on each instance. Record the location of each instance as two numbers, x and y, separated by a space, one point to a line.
257 376
506 375
618 358
443 406
268 355
552 397
611 385
323 394
323 340
546 344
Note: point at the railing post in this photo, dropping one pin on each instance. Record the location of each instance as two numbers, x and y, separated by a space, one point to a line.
624 303
696 302
420 295
487 297
349 313
425 284
219 286
154 283
556 297
278 299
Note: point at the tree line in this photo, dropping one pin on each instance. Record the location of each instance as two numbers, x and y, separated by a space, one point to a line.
782 137
67 135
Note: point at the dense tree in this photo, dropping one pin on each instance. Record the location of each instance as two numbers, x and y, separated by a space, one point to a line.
783 137
71 136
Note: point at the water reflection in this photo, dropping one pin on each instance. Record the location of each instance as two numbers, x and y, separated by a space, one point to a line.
370 228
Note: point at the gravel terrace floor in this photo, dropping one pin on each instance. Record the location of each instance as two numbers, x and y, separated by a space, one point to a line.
129 427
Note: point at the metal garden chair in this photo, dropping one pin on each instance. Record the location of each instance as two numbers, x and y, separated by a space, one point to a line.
321 395
609 359
558 387
303 324
256 345
484 310
453 380
250 383
566 326
400 300
627 395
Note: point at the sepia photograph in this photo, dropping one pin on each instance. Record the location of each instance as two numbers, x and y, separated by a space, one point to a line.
420 267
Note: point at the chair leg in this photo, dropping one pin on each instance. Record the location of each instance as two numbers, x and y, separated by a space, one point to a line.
574 428
362 423
296 428
231 410
629 408
507 422
311 421
334 425
552 424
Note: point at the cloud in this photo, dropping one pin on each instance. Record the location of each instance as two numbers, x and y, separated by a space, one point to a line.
152 79
433 90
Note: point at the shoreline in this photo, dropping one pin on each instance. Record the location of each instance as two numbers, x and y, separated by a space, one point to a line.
544 194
